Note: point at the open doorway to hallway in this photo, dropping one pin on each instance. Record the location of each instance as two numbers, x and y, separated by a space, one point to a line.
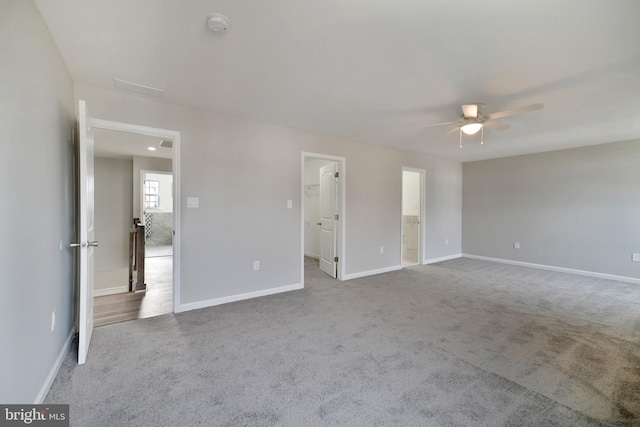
322 214
133 184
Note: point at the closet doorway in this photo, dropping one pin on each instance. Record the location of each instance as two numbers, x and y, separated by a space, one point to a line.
322 214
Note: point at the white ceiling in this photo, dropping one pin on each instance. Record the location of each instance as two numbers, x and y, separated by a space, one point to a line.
125 145
371 70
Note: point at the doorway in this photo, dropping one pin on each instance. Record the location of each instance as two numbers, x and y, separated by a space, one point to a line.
412 216
156 203
153 156
322 211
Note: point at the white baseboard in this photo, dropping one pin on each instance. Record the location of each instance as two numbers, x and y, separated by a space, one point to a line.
442 258
372 272
109 291
239 297
554 268
310 255
53 373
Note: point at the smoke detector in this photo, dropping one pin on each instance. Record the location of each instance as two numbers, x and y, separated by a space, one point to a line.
218 23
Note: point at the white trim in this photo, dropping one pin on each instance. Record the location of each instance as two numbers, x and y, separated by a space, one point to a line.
175 169
310 255
442 258
342 197
373 272
53 373
558 269
110 291
239 297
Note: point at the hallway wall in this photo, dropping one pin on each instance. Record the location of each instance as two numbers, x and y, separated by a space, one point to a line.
37 213
113 205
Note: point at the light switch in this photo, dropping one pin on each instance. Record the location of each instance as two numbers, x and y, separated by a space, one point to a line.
193 202
289 204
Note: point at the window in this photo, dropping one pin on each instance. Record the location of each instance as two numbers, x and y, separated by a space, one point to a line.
152 194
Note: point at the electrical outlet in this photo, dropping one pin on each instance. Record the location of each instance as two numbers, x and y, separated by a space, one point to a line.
53 320
381 250
516 245
256 265
635 257
446 241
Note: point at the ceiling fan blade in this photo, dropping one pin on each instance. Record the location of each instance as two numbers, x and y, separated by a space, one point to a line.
450 131
507 113
495 125
436 124
470 110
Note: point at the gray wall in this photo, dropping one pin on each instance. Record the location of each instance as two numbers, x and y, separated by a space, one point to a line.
443 209
577 208
113 186
244 172
36 213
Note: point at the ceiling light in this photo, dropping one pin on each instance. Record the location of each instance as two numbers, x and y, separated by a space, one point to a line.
151 148
218 23
471 128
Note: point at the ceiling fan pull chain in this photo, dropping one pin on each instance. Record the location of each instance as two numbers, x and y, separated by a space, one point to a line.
460 138
482 135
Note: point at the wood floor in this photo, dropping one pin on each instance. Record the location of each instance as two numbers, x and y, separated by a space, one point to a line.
130 306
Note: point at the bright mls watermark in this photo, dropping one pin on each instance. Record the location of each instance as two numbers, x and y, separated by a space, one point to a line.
34 415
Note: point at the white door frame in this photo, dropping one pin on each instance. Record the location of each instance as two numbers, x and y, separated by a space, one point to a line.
341 252
175 161
421 229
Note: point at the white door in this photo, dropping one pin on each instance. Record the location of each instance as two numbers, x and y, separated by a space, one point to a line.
87 243
328 219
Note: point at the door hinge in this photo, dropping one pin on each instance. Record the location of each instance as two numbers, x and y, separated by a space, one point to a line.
337 174
336 217
335 259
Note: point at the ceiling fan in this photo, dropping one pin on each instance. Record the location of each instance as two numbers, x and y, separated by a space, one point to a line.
473 119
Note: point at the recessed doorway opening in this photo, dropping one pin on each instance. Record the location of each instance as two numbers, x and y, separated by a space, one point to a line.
412 216
154 206
322 211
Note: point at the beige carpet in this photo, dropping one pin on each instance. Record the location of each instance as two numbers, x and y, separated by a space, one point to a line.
461 343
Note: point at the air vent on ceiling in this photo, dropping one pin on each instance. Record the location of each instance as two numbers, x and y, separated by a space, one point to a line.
166 144
134 87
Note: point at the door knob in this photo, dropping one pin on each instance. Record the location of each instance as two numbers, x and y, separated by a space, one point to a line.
83 244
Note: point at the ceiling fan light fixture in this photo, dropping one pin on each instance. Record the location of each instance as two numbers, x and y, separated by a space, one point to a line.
471 128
